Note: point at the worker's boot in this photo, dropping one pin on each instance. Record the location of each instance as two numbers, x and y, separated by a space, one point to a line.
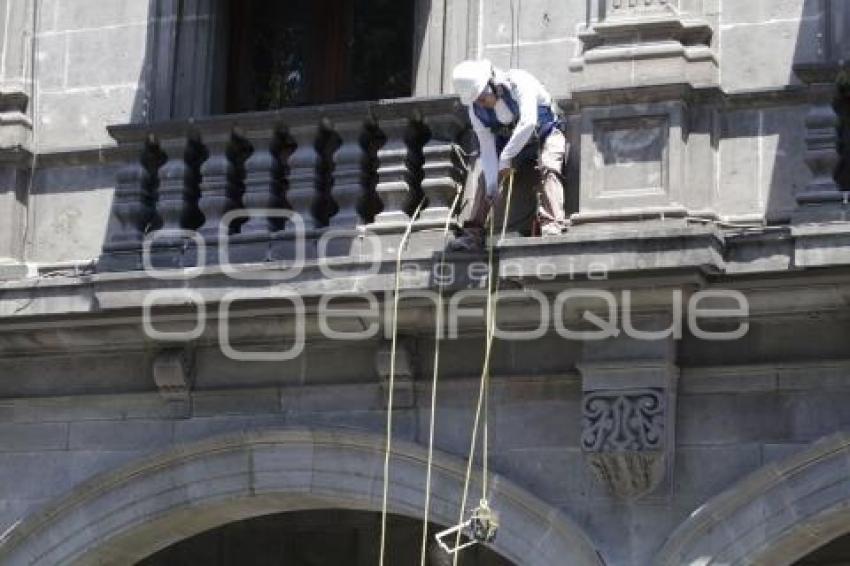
552 229
472 240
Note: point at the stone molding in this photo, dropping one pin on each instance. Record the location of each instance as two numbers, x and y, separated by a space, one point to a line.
799 505
644 43
125 515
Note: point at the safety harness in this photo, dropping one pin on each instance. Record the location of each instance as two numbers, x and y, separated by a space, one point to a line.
546 122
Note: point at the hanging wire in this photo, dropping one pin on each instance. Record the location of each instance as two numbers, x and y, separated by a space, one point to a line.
434 380
391 381
481 412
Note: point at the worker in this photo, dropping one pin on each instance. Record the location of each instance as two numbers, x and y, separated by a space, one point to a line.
515 120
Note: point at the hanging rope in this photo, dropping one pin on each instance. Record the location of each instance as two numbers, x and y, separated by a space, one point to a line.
437 338
483 388
391 380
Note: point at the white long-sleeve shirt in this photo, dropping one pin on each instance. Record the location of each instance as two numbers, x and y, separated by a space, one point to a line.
529 94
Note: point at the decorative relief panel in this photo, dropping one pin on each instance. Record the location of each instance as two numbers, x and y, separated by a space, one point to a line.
624 439
631 156
617 421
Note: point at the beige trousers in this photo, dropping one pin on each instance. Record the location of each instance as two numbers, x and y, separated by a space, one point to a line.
550 187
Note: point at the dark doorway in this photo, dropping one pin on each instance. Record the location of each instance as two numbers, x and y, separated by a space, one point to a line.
835 553
303 52
312 538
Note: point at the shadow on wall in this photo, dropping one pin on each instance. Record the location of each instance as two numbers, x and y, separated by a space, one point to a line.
783 128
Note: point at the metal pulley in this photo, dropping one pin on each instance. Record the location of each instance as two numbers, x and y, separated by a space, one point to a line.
481 528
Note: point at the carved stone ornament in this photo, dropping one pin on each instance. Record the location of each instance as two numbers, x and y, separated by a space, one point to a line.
624 437
173 374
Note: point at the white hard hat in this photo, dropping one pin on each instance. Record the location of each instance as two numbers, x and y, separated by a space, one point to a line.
470 79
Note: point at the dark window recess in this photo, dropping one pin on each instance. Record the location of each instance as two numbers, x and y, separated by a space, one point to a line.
842 107
302 52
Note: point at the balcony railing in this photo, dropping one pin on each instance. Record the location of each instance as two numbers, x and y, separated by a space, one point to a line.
355 167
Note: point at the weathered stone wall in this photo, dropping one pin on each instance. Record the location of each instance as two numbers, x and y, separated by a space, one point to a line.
90 65
732 421
760 41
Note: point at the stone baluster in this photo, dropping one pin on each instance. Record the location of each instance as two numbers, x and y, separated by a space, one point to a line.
822 199
442 174
133 205
175 176
303 174
133 209
395 174
216 173
349 173
263 185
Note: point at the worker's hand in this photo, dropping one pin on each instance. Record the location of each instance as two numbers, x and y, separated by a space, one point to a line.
505 174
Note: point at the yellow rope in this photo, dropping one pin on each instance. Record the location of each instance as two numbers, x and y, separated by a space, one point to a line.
483 395
437 337
391 380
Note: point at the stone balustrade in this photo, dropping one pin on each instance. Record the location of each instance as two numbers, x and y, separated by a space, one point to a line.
358 167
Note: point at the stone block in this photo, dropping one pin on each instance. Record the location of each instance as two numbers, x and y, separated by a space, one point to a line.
781 44
69 226
537 423
52 62
81 375
732 380
331 397
738 191
17 437
49 15
83 408
707 471
86 14
732 419
268 466
120 435
198 428
78 119
31 475
235 402
552 474
106 56
13 271
777 452
550 20
764 11
375 422
818 245
814 414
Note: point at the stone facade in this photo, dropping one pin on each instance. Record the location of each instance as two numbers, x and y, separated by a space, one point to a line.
621 431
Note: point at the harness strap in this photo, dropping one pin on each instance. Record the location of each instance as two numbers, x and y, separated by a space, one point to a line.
546 121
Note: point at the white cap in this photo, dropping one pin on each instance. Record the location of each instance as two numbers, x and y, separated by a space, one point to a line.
470 79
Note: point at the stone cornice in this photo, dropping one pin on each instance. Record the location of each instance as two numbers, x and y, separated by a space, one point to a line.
664 258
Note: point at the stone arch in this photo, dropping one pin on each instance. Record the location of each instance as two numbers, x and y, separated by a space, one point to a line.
123 516
777 515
